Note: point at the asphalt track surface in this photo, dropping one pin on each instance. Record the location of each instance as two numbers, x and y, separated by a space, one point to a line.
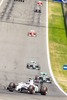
17 48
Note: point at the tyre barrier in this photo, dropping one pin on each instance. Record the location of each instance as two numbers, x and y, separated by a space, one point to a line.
66 19
64 7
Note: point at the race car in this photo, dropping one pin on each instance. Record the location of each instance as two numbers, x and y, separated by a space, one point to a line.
43 77
33 65
32 33
29 87
40 3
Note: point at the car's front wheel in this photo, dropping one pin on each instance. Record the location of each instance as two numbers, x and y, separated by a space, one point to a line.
27 66
11 87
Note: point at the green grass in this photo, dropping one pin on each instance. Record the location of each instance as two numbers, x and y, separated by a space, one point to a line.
57 43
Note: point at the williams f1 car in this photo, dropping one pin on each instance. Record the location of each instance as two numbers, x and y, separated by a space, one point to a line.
29 87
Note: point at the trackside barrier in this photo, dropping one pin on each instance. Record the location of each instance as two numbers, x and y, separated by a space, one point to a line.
64 10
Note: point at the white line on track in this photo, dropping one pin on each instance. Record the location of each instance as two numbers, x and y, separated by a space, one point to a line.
48 51
1 2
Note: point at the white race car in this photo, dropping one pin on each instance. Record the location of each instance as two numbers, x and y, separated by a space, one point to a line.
29 87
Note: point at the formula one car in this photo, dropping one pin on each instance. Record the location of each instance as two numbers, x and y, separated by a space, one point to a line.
32 33
33 65
43 77
39 3
29 87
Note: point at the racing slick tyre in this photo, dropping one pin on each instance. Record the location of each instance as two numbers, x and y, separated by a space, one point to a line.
28 66
49 80
43 90
31 89
11 87
38 68
36 10
39 11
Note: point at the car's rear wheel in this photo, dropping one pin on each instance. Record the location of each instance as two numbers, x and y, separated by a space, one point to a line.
31 89
39 68
43 90
35 10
